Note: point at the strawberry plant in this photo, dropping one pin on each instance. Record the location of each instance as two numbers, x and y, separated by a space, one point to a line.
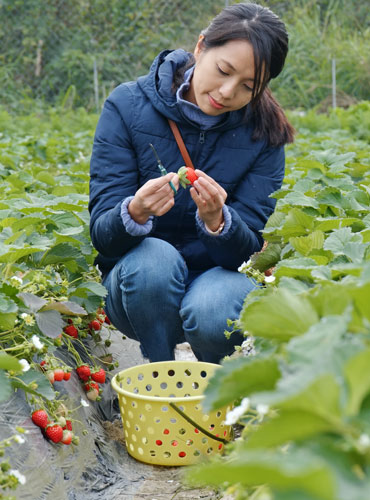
50 290
300 380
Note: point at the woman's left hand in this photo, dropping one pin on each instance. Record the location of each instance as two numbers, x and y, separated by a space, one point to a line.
209 197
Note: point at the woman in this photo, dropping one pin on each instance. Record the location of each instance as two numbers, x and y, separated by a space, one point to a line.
169 261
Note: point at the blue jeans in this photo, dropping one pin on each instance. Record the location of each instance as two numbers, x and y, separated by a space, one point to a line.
152 299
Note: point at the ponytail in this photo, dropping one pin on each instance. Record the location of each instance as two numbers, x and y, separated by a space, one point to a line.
270 120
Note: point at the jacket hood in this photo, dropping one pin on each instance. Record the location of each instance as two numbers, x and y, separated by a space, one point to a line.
157 86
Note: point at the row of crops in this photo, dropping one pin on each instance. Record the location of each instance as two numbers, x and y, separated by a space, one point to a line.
304 393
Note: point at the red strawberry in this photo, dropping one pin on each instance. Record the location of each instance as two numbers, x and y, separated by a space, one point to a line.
68 425
99 376
40 418
58 374
91 385
67 437
67 375
186 176
71 330
92 391
54 432
83 372
95 325
107 320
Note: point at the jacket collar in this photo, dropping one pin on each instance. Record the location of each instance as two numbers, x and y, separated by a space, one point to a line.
157 86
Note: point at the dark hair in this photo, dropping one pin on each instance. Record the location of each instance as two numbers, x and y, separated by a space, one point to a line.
268 36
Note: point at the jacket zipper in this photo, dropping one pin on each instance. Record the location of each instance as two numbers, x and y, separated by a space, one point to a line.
202 137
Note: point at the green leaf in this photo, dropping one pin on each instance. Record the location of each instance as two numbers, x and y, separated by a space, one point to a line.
300 200
33 302
8 312
296 268
70 308
50 323
305 244
329 224
280 315
8 362
267 258
289 425
338 239
297 223
46 178
239 378
91 286
43 387
298 470
5 387
60 253
14 254
357 374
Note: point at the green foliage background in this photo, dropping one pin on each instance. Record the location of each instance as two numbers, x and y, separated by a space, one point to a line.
50 47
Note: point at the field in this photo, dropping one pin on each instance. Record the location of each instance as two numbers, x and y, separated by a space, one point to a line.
303 377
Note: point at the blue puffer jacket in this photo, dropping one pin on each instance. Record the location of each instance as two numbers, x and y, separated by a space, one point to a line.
134 115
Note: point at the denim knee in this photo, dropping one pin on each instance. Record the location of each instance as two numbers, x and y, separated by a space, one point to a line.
213 298
152 267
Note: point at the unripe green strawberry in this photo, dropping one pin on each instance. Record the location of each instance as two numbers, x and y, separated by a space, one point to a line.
93 395
91 385
187 176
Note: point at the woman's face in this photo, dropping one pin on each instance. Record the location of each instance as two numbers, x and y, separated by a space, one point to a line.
223 77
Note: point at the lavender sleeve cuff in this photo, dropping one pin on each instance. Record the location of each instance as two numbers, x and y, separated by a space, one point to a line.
132 227
227 219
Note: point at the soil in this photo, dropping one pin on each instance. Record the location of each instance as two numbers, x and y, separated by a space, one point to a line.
99 468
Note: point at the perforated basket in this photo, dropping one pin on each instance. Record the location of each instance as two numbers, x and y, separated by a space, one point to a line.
162 416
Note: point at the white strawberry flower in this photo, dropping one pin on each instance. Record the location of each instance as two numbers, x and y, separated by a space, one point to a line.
16 278
262 410
84 403
25 365
37 342
363 443
233 415
270 279
19 439
21 478
247 346
243 267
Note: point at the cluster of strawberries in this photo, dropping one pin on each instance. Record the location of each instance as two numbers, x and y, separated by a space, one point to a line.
91 379
94 326
55 374
59 431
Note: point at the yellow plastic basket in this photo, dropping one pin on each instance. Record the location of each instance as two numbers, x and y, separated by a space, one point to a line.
163 422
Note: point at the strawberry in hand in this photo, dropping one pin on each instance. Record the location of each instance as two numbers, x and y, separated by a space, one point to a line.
187 176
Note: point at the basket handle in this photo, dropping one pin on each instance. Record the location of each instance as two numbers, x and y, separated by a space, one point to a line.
192 422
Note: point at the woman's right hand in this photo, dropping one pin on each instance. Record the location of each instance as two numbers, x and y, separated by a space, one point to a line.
155 197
